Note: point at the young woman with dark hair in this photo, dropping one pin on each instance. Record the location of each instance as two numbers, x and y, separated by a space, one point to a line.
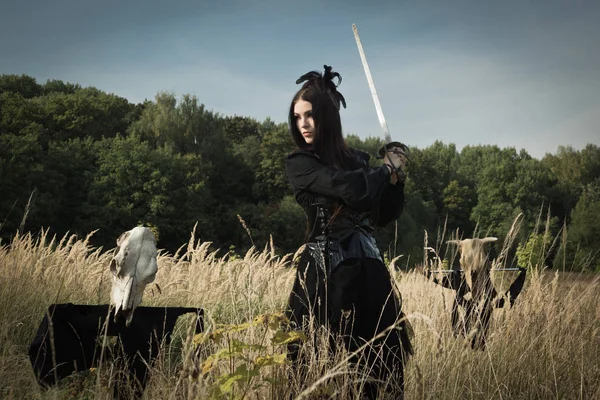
342 282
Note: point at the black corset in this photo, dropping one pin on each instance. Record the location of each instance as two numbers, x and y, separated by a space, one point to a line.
348 235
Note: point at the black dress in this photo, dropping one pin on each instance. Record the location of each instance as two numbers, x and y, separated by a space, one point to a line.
341 278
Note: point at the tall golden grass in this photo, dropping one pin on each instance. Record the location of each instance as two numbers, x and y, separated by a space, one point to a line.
546 347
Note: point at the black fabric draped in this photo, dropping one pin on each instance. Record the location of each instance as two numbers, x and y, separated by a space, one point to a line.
342 281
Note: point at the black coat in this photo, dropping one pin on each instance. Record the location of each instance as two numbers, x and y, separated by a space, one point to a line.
343 207
341 278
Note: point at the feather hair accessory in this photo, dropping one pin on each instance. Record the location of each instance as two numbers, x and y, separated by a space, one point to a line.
325 80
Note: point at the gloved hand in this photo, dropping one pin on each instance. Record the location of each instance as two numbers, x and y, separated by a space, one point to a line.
396 155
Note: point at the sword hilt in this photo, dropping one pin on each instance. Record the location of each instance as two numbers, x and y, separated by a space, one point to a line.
401 151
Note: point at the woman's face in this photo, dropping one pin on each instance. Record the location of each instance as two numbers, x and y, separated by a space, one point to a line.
304 120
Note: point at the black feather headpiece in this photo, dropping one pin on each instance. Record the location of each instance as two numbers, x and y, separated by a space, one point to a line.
325 79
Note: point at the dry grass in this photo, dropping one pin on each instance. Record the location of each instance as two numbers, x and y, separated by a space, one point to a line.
547 346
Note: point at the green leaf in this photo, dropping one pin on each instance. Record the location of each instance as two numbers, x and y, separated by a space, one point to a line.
283 337
241 373
275 359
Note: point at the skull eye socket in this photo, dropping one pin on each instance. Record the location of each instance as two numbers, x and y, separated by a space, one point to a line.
117 259
113 266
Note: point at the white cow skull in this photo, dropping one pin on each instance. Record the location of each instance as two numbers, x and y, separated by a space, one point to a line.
133 267
473 259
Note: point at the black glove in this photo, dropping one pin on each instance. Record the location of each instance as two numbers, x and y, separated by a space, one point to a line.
397 155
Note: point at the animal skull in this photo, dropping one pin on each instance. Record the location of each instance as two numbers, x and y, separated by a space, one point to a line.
473 259
133 267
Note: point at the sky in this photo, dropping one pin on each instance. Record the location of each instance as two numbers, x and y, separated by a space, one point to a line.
512 73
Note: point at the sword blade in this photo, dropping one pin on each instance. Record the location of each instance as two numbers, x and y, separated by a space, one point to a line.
491 270
380 116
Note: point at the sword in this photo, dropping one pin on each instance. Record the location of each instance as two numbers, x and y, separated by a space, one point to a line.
402 149
447 271
382 122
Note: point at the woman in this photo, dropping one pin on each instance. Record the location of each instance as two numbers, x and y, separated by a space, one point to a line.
342 282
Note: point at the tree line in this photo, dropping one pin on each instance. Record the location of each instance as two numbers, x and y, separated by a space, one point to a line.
78 160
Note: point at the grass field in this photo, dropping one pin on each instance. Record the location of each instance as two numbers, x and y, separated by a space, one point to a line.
546 347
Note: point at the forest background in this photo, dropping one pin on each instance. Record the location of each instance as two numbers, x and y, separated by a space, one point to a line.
78 160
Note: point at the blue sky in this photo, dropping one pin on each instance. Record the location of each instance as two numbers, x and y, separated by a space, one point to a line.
523 74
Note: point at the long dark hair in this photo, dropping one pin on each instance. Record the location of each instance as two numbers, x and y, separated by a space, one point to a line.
328 141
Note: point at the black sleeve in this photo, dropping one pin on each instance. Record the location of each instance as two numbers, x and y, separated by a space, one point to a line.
390 204
359 188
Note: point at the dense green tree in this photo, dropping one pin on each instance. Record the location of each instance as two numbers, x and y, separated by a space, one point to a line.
137 184
183 127
69 168
494 200
470 163
21 164
573 170
17 113
238 128
86 112
419 217
532 189
533 253
79 159
370 145
276 145
24 85
459 201
434 167
56 85
248 151
286 221
584 233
